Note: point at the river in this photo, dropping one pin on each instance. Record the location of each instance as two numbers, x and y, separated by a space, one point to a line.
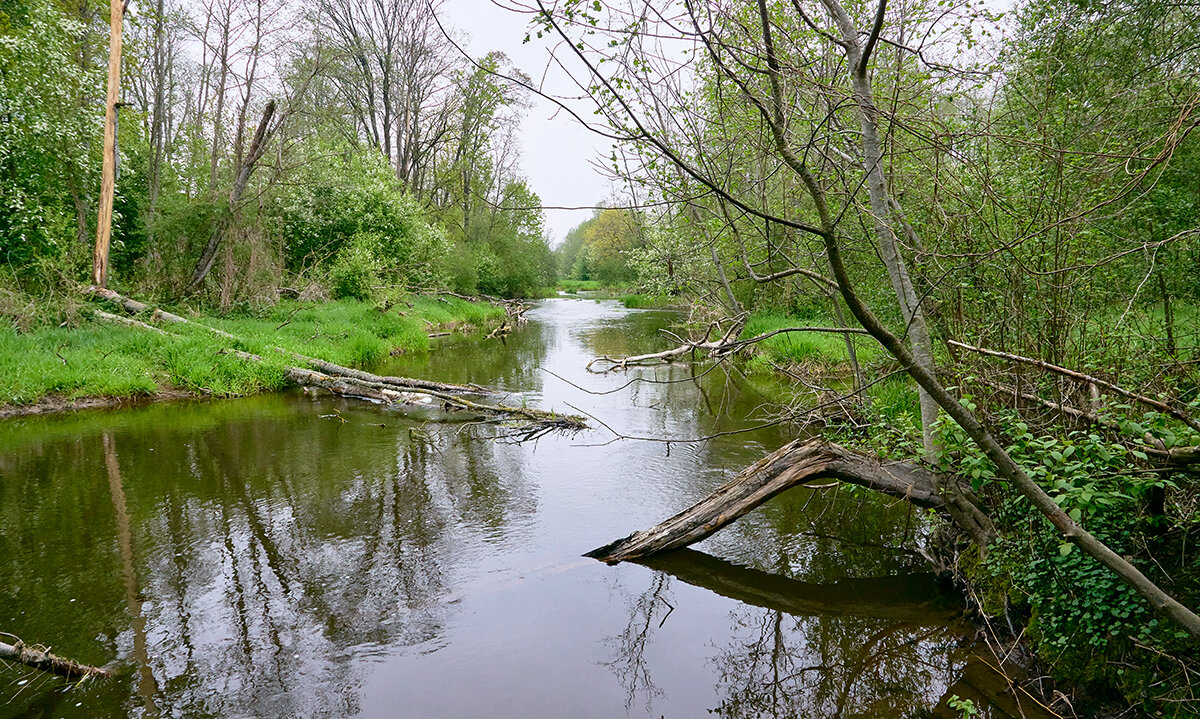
301 555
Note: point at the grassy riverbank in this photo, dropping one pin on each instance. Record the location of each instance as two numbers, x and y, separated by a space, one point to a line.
97 359
822 351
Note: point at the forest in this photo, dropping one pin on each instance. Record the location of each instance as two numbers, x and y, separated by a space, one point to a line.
347 143
966 236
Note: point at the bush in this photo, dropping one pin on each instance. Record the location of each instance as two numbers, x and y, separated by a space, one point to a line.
355 274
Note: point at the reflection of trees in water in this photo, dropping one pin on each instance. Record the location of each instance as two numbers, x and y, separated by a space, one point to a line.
869 647
269 553
786 666
647 611
824 534
510 362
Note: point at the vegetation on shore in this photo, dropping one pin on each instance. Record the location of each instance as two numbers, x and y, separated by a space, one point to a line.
1023 185
100 359
1007 207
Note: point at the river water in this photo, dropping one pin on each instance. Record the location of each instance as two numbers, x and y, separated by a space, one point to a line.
303 555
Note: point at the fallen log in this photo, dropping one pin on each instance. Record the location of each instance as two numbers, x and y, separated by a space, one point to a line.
713 348
393 390
717 349
43 660
795 464
913 599
134 307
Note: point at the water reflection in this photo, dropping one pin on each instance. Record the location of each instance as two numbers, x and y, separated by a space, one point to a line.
884 646
267 562
300 555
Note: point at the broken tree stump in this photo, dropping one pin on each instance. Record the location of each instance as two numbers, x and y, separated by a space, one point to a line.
795 464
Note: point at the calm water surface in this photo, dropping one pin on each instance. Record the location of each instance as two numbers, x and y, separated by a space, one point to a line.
301 555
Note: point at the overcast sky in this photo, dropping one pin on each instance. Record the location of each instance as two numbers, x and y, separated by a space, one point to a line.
557 152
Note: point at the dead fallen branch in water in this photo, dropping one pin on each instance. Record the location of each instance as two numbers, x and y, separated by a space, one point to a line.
40 658
391 391
796 464
712 348
727 345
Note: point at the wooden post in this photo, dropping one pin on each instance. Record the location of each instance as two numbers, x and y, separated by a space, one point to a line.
108 179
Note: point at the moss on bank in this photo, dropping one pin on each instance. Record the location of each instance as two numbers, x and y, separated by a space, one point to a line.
108 360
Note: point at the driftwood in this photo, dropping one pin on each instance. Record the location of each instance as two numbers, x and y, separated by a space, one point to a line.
912 599
347 382
712 348
795 464
134 307
716 349
43 660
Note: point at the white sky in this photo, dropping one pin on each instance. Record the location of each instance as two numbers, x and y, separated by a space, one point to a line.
557 152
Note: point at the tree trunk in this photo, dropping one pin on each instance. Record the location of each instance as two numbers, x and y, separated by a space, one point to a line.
797 463
108 179
257 147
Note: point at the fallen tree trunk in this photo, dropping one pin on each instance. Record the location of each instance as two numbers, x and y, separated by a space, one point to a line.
711 347
716 349
43 660
794 464
395 390
134 307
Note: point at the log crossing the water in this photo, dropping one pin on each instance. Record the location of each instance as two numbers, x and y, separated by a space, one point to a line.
796 464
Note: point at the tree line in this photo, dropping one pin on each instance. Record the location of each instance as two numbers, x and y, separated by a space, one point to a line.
349 144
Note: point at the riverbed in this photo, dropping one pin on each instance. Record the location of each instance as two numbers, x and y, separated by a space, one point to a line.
302 555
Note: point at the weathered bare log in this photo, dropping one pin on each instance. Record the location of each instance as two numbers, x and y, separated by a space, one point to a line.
797 463
714 348
109 317
724 347
389 390
912 599
135 307
43 660
400 382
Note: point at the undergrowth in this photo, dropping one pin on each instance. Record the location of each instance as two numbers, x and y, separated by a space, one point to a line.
1085 623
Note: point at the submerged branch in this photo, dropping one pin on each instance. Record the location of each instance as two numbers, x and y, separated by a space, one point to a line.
42 659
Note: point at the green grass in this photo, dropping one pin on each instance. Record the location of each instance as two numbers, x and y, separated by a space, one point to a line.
106 360
821 349
579 285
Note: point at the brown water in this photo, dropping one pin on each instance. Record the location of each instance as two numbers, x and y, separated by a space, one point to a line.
301 555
